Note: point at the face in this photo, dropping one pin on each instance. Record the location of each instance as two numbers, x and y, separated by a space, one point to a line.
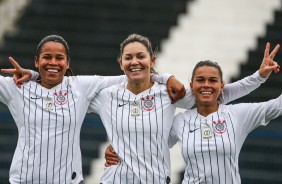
52 64
207 86
136 62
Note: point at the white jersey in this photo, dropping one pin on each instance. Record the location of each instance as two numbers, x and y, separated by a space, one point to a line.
49 122
138 128
211 145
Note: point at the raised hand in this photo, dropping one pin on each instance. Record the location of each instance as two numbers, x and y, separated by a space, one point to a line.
20 74
268 64
175 89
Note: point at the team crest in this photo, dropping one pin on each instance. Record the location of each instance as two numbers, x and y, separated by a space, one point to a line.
148 103
219 126
61 97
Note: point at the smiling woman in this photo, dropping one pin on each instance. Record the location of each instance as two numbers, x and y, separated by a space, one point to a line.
207 85
52 60
137 60
211 135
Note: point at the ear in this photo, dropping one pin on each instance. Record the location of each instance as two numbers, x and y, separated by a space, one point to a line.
153 61
221 87
36 61
68 64
120 64
191 87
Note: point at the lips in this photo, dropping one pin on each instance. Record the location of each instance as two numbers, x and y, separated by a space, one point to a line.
135 69
206 92
53 70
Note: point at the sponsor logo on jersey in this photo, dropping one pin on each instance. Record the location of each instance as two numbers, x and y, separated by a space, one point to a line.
61 97
219 126
148 103
48 103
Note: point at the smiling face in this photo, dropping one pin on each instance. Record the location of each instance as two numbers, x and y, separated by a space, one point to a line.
136 63
52 64
207 85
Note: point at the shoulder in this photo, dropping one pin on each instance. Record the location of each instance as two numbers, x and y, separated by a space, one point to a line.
159 88
186 115
117 88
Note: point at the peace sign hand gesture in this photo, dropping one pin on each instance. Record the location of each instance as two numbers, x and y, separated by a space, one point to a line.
20 74
268 64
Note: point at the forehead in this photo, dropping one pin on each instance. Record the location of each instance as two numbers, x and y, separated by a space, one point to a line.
134 47
53 47
207 71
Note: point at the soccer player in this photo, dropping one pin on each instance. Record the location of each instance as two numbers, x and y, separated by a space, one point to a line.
211 135
49 114
138 115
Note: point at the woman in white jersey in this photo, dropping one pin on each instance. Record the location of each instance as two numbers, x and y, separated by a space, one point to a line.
49 114
138 116
211 135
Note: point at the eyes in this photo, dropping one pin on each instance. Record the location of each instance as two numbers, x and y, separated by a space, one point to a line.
129 57
211 80
50 57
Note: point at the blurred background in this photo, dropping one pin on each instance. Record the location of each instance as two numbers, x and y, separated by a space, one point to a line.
233 33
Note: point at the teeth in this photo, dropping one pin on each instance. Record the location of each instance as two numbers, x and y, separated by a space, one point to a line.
205 92
53 70
135 70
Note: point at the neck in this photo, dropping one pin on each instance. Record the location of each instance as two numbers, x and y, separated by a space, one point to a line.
205 110
137 88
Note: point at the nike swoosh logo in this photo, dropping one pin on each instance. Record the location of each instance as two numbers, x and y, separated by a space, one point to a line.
35 97
120 105
193 130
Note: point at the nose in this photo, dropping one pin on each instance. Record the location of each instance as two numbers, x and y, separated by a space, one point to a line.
134 61
53 61
206 83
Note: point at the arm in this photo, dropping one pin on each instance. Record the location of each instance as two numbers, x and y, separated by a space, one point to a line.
248 84
253 115
175 88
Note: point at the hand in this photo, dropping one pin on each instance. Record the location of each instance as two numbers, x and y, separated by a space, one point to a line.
175 89
268 64
20 74
111 157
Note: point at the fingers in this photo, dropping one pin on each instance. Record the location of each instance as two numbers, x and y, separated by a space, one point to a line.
109 163
20 81
16 78
275 67
175 89
266 51
14 63
10 70
178 94
111 157
275 50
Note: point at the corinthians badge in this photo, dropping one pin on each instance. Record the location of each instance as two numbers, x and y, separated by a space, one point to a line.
219 126
61 97
148 103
